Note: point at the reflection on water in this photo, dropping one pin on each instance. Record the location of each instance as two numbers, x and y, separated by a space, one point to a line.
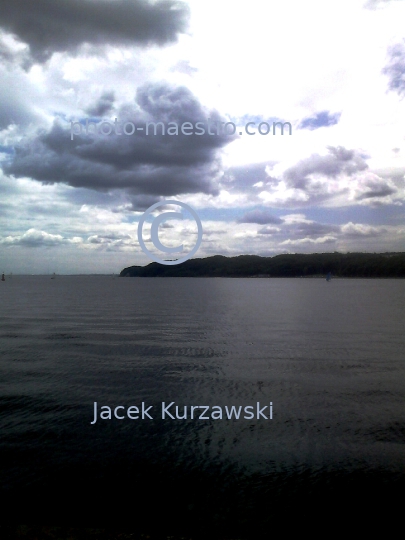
329 356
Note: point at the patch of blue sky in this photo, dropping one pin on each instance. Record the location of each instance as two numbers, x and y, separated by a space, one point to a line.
321 119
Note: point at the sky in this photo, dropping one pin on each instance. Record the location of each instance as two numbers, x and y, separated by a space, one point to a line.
331 72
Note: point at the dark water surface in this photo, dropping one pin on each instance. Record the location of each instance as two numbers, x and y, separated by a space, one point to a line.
329 356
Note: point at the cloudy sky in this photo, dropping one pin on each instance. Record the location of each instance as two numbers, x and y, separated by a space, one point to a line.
333 69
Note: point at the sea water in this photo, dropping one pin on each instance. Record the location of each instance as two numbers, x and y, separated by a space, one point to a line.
328 356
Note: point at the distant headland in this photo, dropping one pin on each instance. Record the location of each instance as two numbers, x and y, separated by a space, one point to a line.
345 265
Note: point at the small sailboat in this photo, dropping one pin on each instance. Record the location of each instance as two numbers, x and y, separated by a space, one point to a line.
328 276
3 277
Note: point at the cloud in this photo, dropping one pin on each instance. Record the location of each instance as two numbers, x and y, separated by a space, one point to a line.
310 241
13 52
338 161
372 186
103 105
147 165
111 239
311 228
261 217
35 238
296 226
17 98
140 203
354 230
246 176
338 178
268 230
50 26
373 4
395 69
184 66
321 119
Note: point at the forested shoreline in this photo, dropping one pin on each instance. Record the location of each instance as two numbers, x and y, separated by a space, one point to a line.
345 265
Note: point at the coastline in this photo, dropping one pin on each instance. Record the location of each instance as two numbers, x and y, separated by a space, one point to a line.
314 265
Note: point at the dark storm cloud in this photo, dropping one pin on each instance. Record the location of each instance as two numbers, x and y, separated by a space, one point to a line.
262 217
141 203
155 165
49 26
338 161
321 119
171 104
395 69
103 105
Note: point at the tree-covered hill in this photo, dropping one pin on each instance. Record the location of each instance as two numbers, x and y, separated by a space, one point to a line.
368 265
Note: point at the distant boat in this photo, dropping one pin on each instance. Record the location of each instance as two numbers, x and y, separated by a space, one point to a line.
54 275
328 276
3 278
